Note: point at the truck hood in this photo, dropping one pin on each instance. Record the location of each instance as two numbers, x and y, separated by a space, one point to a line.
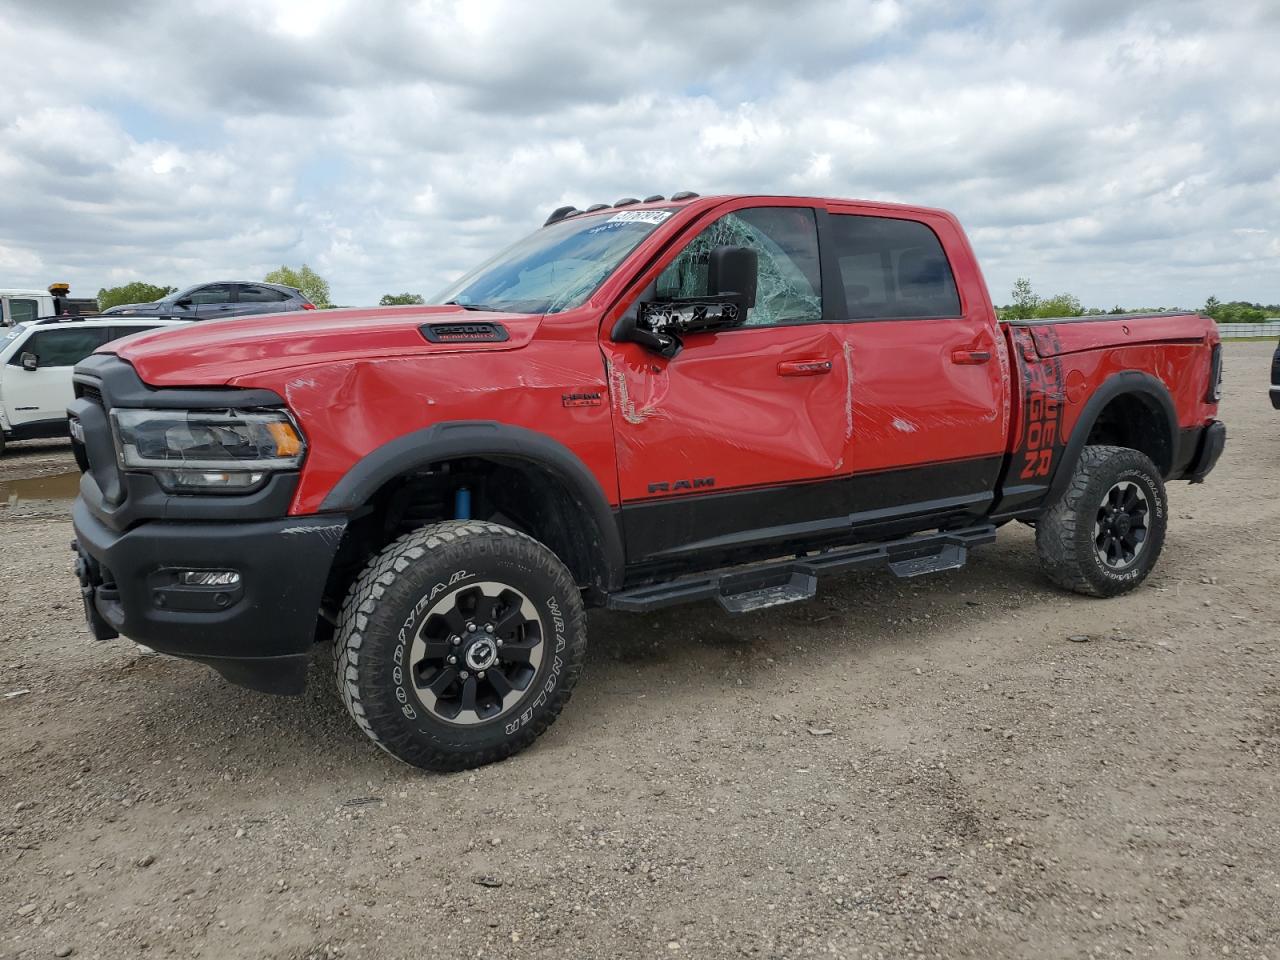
215 352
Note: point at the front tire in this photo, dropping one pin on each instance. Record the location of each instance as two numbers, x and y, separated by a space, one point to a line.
1105 534
459 644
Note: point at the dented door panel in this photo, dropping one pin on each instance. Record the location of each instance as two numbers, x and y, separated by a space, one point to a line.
721 414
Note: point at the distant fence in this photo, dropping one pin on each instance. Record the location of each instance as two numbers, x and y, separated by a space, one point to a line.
1228 331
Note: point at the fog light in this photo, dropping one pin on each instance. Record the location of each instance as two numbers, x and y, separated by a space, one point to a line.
208 578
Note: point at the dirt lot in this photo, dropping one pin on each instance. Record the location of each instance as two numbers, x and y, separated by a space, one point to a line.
895 769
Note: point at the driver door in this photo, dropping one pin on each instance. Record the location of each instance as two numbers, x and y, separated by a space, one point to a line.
719 445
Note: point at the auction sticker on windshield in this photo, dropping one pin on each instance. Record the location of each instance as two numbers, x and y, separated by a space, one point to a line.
640 216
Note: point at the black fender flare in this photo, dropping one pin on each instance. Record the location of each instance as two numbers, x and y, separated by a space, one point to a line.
480 438
1146 388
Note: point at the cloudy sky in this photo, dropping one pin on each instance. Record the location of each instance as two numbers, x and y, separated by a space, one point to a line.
1128 152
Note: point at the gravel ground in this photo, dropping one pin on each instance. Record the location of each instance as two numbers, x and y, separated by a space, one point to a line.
936 768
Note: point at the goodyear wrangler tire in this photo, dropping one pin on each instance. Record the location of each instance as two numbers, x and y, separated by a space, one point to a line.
1105 534
459 644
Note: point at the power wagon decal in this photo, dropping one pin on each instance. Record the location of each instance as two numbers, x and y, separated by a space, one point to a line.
1041 439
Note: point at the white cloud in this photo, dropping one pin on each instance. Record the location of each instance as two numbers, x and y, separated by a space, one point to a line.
1125 152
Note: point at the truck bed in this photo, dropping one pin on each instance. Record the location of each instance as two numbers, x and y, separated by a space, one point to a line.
1057 336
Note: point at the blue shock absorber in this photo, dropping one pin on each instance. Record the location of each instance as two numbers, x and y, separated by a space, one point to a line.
462 504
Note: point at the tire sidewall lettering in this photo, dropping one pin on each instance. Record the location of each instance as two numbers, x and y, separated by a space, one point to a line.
558 627
404 637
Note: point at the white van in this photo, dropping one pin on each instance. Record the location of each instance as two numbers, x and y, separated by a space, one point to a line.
36 360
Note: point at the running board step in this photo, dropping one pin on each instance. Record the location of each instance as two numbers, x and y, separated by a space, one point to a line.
950 557
756 587
798 586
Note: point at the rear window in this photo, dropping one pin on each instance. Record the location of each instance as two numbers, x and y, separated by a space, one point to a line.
256 294
119 332
893 269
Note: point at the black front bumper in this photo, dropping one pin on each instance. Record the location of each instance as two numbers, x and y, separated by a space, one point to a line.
257 634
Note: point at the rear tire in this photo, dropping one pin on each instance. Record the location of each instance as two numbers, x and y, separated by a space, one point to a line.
459 644
1105 534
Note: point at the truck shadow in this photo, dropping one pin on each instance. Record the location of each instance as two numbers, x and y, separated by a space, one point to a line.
674 658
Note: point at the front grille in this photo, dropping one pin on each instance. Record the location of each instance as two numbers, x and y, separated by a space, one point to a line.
90 392
96 454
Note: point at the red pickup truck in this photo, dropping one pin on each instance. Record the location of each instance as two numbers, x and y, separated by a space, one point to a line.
637 405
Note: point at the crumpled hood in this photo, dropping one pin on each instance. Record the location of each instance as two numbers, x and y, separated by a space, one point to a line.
214 352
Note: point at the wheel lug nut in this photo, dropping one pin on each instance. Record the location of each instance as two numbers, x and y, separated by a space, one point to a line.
471 628
464 674
488 628
455 640
453 659
498 641
480 674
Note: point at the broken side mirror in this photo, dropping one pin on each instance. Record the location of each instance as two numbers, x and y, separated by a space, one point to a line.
731 292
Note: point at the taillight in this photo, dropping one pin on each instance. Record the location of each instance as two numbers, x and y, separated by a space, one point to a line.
1215 374
308 306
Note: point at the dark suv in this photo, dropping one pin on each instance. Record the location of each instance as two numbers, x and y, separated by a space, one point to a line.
209 300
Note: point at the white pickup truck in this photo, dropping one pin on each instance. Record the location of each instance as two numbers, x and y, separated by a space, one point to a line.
36 360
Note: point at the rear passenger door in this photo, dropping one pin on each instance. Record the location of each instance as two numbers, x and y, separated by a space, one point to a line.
929 394
259 299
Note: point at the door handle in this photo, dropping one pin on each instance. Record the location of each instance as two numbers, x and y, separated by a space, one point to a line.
803 368
970 356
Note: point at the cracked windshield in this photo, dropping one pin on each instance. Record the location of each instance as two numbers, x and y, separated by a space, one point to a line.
556 268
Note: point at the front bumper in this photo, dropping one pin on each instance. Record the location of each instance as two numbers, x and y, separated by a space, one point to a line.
257 634
1213 439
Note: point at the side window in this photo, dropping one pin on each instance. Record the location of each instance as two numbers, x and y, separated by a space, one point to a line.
23 311
893 269
119 332
789 286
251 293
214 293
62 348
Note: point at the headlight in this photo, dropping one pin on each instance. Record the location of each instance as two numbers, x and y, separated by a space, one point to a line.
207 451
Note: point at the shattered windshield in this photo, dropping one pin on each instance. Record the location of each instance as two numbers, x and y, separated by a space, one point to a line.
556 268
789 282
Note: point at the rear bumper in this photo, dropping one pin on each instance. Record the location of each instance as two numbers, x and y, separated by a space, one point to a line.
257 634
1213 439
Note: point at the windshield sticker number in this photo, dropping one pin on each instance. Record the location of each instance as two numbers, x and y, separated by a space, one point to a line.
628 217
640 216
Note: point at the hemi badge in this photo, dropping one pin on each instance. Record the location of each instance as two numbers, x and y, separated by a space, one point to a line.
581 400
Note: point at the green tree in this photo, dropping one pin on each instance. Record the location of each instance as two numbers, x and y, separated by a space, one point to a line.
136 292
1211 305
313 286
1237 311
400 299
1025 300
1062 305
